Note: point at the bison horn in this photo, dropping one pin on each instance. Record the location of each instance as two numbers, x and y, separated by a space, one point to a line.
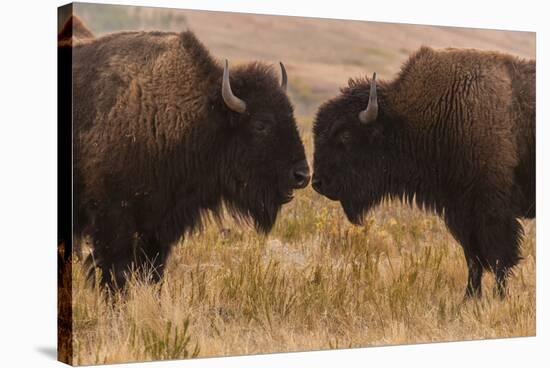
232 101
284 78
371 112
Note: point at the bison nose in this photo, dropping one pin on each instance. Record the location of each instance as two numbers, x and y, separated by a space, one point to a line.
300 175
317 184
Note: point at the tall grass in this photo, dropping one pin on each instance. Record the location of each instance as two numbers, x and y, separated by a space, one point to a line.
316 282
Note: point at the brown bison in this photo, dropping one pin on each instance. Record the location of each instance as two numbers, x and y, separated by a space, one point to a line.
165 137
455 132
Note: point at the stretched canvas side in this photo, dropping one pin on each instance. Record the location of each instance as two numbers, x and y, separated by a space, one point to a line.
64 193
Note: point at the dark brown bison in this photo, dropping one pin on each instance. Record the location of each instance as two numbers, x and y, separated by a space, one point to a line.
165 137
455 132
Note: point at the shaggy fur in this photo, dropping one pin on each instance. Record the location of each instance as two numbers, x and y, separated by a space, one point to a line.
156 150
455 133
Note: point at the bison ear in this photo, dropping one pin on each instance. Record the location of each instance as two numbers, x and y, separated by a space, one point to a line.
371 112
232 101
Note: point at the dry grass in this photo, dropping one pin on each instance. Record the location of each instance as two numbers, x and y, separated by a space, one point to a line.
316 282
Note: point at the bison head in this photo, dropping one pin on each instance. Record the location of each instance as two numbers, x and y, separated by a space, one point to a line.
264 159
352 149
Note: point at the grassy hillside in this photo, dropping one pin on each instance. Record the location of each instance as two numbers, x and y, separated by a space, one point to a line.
320 54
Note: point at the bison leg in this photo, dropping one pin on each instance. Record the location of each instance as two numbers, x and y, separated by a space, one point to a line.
475 272
113 240
113 259
461 226
498 237
501 275
151 257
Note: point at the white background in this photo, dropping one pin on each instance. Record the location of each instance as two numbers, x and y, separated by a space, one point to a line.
28 181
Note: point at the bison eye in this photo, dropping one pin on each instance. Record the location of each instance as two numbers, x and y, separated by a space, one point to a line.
344 138
260 126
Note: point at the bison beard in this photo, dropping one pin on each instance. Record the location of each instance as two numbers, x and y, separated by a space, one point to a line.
262 207
455 133
355 210
165 138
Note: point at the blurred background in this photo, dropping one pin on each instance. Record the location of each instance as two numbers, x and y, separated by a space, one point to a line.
320 54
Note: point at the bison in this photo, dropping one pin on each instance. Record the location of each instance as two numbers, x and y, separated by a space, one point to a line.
165 137
453 132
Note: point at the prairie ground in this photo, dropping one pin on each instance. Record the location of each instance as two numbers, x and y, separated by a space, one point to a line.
316 281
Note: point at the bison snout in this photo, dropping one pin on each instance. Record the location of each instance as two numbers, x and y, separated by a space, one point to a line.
300 175
317 184
321 186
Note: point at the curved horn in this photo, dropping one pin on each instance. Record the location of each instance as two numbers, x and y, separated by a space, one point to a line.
232 101
371 112
284 78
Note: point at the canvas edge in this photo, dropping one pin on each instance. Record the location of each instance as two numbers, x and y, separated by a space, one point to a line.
64 195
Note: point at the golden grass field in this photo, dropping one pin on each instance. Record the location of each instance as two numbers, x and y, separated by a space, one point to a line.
315 282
